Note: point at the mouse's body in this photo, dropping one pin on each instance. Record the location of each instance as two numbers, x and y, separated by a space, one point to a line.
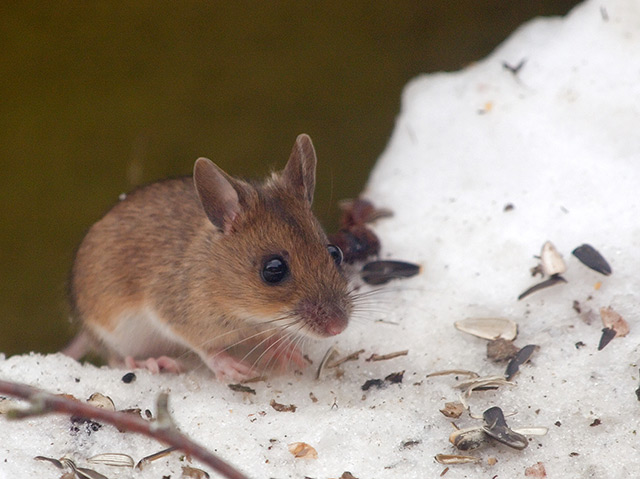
231 271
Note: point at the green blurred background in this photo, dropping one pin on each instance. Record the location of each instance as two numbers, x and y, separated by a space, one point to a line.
97 97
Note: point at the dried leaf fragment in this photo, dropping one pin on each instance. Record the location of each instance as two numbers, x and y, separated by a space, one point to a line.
537 470
283 407
489 328
302 450
591 258
501 350
453 409
613 320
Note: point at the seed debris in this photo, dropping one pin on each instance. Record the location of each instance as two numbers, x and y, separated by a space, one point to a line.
591 258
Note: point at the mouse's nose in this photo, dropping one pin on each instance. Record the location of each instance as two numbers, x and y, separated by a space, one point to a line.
324 318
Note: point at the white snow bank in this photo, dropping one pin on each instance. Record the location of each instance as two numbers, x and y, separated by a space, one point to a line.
559 141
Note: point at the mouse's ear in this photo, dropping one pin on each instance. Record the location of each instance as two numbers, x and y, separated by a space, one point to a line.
300 172
217 196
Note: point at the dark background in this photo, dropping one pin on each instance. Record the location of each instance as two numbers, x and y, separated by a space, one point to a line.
97 97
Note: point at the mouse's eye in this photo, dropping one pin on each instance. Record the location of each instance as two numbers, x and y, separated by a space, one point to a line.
274 269
336 253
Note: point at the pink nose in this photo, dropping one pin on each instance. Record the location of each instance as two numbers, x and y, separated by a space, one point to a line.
335 327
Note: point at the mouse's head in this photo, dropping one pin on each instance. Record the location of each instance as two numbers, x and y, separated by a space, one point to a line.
271 257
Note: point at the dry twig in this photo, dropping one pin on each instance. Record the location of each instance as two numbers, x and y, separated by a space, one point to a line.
163 430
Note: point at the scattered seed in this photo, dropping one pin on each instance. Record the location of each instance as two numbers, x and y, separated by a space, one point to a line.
283 407
101 401
325 360
82 472
468 439
596 422
448 372
501 350
496 427
241 388
53 461
381 272
551 260
128 378
154 457
313 397
508 207
112 459
482 382
532 431
194 473
302 450
384 357
357 243
456 459
591 258
520 358
489 328
555 279
452 409
607 335
360 211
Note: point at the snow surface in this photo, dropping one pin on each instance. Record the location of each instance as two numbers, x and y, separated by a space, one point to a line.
560 142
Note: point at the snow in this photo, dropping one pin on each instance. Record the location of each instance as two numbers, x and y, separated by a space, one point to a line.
559 141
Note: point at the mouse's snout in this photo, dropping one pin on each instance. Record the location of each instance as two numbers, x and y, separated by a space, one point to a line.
324 318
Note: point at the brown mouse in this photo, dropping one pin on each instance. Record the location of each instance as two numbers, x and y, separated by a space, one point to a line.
238 273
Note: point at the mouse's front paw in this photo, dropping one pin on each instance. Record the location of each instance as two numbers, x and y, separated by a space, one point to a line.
155 365
226 367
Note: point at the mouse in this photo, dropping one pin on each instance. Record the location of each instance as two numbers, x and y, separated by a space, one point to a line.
210 269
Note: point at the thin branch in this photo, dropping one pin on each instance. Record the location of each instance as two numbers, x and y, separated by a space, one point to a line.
45 403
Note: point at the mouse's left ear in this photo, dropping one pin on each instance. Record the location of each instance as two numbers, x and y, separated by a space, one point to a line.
217 195
300 172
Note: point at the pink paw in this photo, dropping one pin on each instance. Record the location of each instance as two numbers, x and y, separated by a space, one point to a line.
155 365
283 353
226 367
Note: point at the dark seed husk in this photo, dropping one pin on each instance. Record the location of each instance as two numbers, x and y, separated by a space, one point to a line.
520 358
607 335
381 272
591 257
496 427
556 278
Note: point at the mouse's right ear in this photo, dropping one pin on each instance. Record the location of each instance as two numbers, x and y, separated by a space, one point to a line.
217 196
